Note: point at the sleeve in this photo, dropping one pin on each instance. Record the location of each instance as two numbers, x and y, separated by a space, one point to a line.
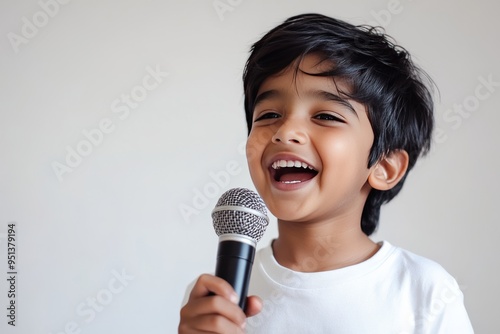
445 310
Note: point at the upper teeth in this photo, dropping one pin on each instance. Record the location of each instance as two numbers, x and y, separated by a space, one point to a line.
289 163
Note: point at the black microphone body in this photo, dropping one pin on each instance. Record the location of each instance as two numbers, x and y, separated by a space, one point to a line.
239 219
235 257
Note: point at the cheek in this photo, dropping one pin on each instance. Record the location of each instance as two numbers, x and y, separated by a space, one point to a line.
338 150
252 150
256 142
344 155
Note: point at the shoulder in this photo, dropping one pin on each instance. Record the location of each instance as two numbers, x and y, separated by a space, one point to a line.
432 292
420 268
424 281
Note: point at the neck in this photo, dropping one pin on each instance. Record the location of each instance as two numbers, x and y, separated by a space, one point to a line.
314 247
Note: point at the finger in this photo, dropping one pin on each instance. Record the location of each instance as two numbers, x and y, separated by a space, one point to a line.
214 305
207 284
212 323
254 306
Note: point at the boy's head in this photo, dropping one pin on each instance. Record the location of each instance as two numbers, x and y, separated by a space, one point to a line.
378 74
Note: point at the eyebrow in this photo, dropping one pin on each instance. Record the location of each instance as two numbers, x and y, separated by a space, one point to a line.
320 94
267 95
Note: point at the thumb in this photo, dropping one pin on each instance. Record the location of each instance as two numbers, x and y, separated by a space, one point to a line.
254 306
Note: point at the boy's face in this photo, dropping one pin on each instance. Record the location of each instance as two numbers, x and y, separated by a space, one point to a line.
302 122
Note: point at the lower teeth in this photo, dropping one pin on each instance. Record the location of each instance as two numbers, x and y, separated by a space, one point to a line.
290 182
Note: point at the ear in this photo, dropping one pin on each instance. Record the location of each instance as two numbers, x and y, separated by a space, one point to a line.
387 172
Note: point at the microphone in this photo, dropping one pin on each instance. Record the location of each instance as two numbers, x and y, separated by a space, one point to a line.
240 220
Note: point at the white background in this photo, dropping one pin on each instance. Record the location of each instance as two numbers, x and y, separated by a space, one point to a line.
118 211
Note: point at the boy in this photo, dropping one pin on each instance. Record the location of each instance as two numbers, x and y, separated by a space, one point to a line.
337 116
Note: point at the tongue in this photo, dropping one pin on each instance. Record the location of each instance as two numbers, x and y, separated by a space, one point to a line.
295 174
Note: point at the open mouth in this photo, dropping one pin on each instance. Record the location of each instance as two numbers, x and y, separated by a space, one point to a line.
292 171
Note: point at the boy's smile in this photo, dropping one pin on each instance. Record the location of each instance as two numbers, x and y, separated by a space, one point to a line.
309 144
291 171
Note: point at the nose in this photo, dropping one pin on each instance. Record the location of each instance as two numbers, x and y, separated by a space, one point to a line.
290 132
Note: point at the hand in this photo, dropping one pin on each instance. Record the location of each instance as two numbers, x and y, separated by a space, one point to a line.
217 312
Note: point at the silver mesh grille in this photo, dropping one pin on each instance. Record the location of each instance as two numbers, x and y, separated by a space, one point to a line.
240 211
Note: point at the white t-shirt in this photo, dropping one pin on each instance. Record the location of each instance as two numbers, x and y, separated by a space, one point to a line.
394 291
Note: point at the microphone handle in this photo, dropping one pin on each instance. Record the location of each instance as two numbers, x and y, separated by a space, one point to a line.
234 264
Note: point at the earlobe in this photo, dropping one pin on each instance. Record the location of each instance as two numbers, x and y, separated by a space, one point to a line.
387 172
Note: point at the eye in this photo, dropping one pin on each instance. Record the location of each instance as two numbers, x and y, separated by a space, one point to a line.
328 117
267 115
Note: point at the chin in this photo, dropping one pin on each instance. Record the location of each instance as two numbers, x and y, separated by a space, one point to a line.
282 211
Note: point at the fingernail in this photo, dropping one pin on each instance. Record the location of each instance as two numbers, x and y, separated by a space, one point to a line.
234 298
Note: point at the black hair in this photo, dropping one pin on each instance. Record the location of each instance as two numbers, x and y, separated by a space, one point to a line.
396 93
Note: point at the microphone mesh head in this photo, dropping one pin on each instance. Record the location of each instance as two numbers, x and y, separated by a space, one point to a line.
231 214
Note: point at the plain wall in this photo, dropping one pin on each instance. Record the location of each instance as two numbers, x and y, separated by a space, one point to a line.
108 242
